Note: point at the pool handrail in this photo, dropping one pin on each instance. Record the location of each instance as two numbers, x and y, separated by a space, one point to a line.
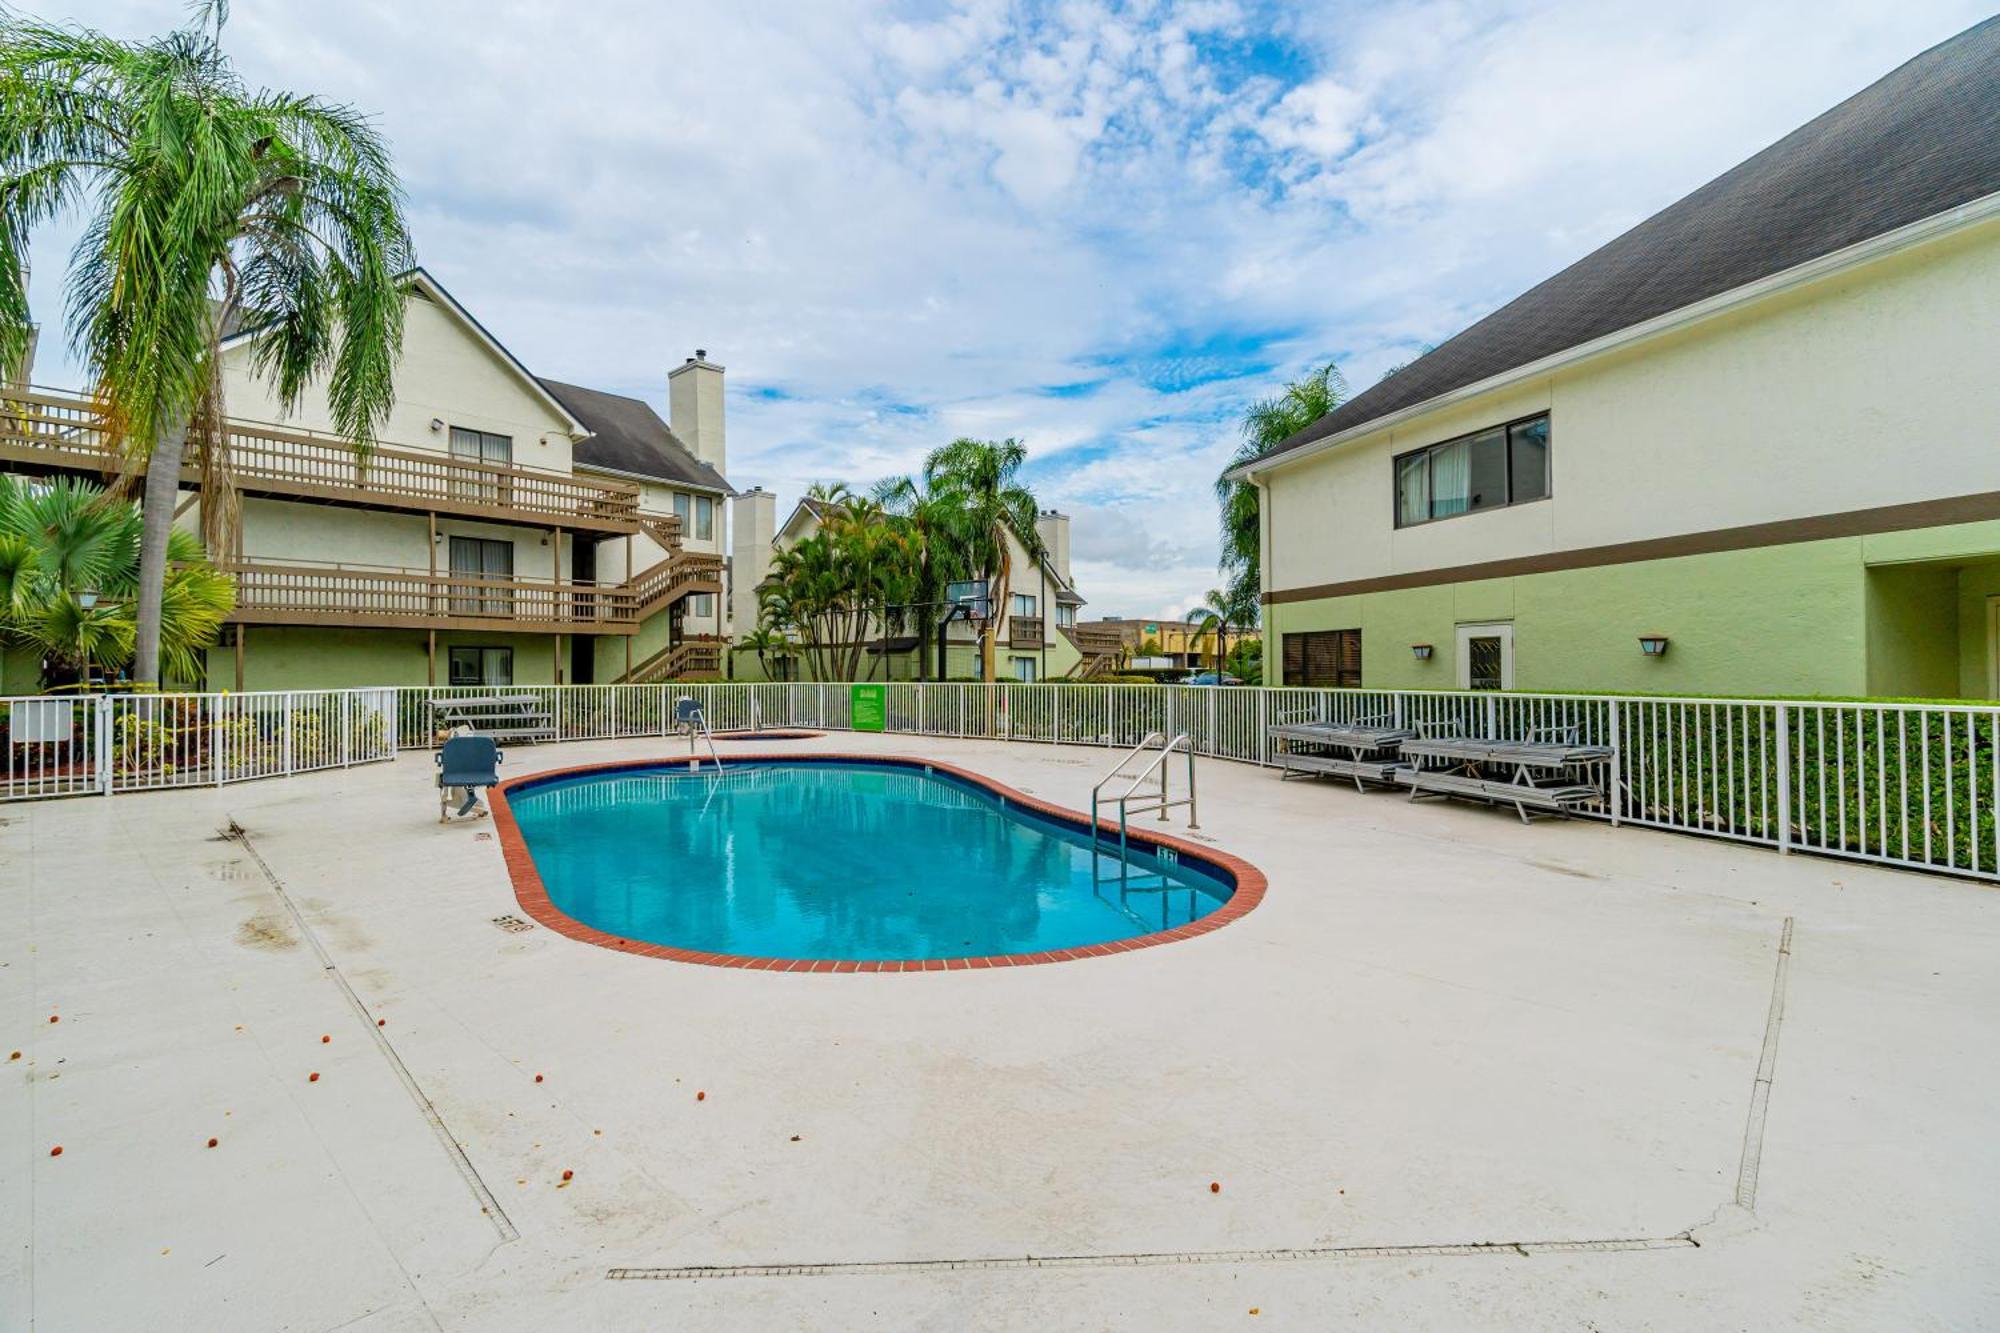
1162 801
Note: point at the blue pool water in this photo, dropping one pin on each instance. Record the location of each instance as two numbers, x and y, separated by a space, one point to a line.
840 861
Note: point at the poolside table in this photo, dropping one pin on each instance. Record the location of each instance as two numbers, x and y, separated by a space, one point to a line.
514 717
1370 749
1560 777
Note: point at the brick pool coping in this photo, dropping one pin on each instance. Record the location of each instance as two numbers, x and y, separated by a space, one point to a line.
533 895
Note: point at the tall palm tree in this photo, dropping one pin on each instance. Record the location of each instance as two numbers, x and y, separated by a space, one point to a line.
208 206
1266 424
926 516
982 501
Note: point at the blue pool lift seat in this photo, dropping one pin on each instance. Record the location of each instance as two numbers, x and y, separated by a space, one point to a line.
469 763
688 714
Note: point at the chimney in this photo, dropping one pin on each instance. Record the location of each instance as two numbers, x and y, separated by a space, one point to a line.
1053 528
753 526
694 408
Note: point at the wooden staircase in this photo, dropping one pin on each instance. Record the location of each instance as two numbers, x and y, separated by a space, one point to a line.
696 657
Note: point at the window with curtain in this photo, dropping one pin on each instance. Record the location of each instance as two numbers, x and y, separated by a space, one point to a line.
1024 604
704 519
481 666
1323 657
683 508
1490 469
483 558
481 446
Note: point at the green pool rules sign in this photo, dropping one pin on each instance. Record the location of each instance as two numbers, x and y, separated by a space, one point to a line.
871 708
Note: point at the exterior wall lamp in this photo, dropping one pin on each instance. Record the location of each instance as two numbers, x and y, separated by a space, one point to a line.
1421 651
1653 645
87 598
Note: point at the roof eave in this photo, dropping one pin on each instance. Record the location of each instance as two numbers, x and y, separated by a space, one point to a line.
1920 232
603 471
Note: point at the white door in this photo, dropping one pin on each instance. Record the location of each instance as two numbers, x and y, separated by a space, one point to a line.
1486 657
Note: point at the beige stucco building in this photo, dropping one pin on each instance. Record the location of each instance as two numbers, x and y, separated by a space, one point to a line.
509 529
1760 431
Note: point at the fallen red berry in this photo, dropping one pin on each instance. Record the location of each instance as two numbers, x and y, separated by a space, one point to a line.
212 1142
701 1096
324 1040
313 1077
568 1174
56 1151
1215 1187
538 1078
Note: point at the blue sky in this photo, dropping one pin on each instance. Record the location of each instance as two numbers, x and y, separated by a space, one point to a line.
1100 227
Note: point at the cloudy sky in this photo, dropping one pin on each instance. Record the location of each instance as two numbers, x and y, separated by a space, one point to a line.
1101 227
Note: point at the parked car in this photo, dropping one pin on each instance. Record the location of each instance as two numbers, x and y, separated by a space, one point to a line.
1209 678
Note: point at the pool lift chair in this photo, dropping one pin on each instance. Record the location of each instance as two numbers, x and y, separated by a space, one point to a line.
470 763
691 717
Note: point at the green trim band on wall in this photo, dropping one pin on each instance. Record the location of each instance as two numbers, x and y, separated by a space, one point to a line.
1784 532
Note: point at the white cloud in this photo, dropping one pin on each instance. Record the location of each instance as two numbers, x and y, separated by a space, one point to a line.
952 208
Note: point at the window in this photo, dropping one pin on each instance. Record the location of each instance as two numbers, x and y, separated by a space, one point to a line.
701 606
683 508
1024 669
481 666
481 446
1324 657
1024 604
483 558
1507 465
1065 614
704 519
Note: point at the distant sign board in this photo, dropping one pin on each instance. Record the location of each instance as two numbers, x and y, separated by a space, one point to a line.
870 708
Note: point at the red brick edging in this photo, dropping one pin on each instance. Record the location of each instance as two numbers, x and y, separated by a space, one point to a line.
533 896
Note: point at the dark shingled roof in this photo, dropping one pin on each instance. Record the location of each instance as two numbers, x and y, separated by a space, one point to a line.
1918 142
627 435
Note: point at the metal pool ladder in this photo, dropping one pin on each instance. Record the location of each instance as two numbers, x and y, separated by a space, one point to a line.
1161 799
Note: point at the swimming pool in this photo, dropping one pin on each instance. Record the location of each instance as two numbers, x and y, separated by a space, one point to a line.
845 864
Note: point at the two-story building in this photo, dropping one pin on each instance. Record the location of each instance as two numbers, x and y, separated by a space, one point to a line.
1034 639
1750 446
508 530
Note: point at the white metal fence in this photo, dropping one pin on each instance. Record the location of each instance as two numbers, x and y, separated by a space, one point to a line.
100 744
1914 785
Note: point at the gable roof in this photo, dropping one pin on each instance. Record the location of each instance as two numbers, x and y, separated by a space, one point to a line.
627 435
1920 141
434 291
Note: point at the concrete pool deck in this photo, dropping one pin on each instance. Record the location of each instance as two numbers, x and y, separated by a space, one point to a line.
1453 1072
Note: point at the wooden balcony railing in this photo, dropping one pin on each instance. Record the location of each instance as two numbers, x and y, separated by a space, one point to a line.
1024 632
696 657
65 432
679 575
1095 641
302 594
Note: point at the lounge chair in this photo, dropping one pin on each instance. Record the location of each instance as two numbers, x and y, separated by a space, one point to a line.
468 763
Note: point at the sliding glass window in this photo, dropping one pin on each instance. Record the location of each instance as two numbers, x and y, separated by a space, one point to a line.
1505 465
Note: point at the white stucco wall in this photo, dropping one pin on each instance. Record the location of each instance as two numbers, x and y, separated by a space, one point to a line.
1875 386
446 373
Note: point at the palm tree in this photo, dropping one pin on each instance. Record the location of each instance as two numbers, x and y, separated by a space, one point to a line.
1212 618
982 501
925 516
69 574
1267 423
769 644
209 206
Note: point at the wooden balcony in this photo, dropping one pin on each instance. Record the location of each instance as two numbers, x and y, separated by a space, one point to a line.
269 593
43 431
1025 632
